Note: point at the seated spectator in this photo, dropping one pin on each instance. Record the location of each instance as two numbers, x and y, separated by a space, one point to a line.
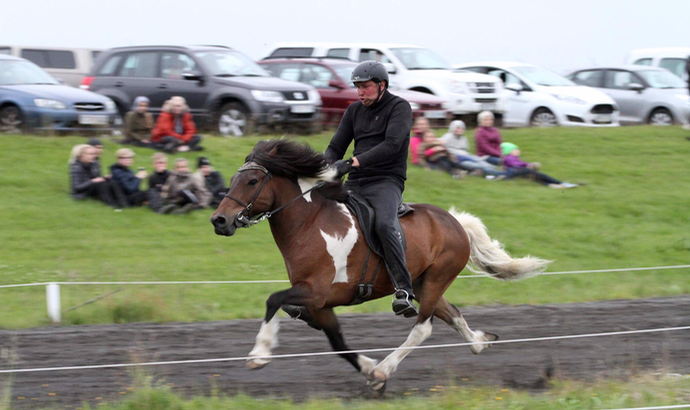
139 124
518 168
184 191
85 182
126 179
420 127
457 144
175 129
157 180
214 181
488 138
433 151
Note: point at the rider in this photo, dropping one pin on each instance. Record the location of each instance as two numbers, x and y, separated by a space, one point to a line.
380 124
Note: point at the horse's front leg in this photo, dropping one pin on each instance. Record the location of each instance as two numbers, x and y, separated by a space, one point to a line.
267 339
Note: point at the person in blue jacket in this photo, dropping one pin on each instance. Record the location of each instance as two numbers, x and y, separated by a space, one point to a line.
127 180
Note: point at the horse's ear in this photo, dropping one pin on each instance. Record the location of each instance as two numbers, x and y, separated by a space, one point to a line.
273 152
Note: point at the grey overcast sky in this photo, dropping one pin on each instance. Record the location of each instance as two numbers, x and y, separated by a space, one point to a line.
556 34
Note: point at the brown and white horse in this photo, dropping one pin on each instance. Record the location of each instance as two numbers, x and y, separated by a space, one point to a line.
324 252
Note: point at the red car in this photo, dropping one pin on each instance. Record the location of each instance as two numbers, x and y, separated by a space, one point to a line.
331 78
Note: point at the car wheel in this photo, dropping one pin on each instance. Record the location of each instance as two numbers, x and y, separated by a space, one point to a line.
543 117
661 116
11 118
233 120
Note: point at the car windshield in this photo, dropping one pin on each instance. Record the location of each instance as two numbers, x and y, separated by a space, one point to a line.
661 79
543 77
16 72
420 59
230 64
345 73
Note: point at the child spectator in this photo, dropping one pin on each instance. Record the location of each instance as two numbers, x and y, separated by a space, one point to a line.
420 127
488 138
139 124
184 191
214 181
86 183
433 151
518 168
175 129
126 179
157 180
457 144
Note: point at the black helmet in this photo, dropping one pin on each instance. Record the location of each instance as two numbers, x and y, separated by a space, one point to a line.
370 70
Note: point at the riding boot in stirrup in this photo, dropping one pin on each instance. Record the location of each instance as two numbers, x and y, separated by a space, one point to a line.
403 299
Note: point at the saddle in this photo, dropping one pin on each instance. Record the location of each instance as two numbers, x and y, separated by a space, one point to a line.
366 217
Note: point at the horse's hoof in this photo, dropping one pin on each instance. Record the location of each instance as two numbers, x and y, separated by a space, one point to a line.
483 337
377 382
256 364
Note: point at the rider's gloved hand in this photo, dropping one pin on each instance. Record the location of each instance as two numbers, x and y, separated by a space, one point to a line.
342 167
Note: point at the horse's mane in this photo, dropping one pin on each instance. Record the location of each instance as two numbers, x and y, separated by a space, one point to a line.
293 160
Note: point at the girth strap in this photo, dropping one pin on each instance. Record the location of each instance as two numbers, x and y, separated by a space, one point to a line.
365 289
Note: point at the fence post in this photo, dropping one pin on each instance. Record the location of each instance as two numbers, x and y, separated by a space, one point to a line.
53 301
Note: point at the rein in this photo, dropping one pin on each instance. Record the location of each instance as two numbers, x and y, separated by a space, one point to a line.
243 216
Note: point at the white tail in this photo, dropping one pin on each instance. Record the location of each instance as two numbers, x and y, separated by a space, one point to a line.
488 257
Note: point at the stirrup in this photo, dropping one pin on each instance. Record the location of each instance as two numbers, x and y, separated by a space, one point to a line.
404 305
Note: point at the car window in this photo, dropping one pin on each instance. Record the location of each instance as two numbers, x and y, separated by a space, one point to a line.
38 57
345 73
5 50
590 78
338 53
481 70
174 64
618 80
110 65
50 58
286 71
316 75
674 65
643 61
15 72
506 77
373 54
95 54
292 52
140 65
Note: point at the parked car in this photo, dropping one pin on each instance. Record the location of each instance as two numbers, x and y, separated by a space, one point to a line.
538 97
673 59
413 68
645 95
331 77
31 99
68 65
224 89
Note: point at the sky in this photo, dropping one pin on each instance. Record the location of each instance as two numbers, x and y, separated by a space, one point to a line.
556 34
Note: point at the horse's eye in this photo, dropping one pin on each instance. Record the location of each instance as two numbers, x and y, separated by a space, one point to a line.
253 182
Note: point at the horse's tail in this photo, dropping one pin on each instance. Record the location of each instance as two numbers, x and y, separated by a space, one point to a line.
488 257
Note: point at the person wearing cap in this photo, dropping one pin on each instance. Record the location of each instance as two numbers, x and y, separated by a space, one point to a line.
175 129
128 181
457 144
379 124
213 179
515 168
139 124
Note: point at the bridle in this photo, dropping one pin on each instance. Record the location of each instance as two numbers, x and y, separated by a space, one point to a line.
244 216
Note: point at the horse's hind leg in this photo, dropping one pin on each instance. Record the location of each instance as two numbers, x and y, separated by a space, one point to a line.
450 314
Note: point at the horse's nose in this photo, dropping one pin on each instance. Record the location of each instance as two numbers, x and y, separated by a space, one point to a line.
219 221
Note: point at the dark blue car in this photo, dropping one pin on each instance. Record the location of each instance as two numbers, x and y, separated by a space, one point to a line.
31 99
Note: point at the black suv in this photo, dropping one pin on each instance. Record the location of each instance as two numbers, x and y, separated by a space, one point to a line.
225 90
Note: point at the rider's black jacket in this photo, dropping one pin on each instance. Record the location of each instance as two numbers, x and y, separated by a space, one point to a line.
382 136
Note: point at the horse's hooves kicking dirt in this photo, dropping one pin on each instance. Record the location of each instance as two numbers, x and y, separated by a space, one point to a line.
256 364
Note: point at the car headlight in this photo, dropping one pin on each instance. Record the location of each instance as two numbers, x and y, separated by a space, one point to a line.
268 96
110 105
314 97
415 106
45 103
569 99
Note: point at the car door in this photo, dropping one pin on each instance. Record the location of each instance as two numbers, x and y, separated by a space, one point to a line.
137 77
170 82
630 102
519 105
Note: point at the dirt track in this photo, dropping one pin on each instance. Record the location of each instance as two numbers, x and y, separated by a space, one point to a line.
522 365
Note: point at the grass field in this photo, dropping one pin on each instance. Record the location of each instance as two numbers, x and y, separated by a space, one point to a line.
632 212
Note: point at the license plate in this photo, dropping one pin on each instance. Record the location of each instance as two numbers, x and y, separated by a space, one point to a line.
488 106
435 114
602 118
93 119
302 109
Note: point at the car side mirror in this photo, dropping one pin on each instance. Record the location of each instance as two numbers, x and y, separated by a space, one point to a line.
336 84
636 87
192 76
515 87
390 68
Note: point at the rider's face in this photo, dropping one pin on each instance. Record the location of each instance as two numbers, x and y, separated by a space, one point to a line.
367 92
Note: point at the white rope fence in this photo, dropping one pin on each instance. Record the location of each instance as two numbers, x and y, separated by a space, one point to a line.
677 406
332 353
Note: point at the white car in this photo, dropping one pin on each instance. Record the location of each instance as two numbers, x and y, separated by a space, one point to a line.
539 97
674 59
413 68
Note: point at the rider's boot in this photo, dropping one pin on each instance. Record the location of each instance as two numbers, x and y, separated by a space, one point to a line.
404 295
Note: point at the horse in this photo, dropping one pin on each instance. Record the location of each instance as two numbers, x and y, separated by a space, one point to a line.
321 242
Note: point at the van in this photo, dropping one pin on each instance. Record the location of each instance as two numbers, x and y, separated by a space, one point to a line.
68 65
674 59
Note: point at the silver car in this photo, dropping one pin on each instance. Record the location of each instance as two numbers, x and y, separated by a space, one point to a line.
644 95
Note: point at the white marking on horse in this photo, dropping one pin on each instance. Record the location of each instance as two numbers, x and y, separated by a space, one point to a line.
266 340
366 365
460 325
306 184
420 332
340 248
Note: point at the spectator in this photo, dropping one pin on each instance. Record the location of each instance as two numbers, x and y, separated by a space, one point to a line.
214 181
157 180
488 139
457 144
139 124
85 183
419 128
184 191
433 151
518 168
126 179
175 129
96 164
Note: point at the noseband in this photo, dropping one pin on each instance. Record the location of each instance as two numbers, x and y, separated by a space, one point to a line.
243 216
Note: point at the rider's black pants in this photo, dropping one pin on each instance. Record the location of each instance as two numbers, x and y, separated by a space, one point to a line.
385 195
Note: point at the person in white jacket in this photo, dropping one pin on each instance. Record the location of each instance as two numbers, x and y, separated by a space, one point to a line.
457 144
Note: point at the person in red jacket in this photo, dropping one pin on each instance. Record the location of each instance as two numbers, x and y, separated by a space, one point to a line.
175 129
488 139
